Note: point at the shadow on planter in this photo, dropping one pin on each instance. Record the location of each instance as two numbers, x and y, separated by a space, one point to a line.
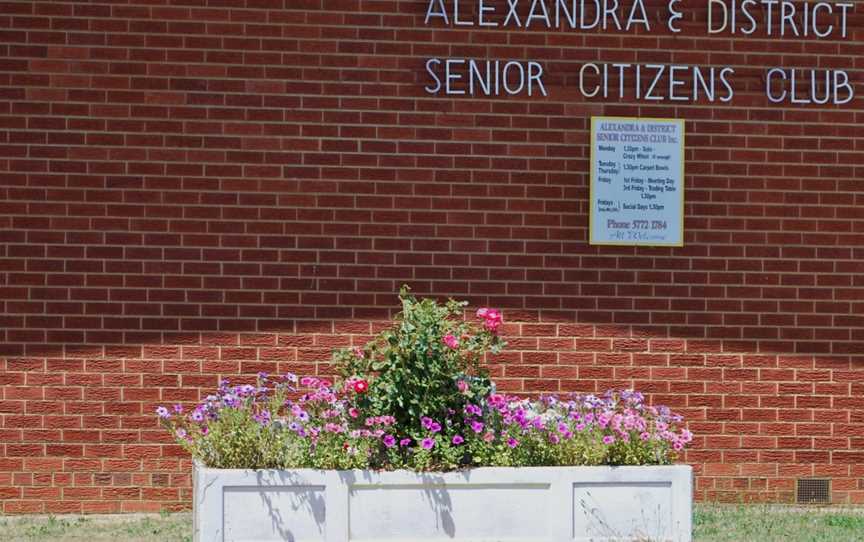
527 504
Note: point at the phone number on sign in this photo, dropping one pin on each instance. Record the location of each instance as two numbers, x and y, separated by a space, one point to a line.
649 225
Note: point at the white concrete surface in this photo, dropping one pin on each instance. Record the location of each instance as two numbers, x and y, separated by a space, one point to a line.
541 504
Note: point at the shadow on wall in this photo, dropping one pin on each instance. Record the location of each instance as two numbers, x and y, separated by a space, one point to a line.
312 501
104 335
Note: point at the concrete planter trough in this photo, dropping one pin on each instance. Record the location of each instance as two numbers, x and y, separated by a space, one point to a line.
485 504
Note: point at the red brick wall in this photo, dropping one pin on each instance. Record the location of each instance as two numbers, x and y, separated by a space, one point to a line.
198 188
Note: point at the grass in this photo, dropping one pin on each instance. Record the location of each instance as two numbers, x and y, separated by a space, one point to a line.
712 523
119 528
765 523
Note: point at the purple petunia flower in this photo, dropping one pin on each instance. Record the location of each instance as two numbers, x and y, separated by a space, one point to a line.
436 427
512 442
163 413
404 442
457 440
246 389
608 439
197 416
178 408
389 441
477 427
263 417
428 443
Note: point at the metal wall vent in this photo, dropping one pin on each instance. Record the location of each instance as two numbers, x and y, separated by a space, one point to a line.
813 491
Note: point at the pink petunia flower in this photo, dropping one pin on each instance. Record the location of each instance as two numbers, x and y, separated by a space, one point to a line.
450 341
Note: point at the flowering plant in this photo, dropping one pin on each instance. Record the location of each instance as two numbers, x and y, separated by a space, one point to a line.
417 397
427 365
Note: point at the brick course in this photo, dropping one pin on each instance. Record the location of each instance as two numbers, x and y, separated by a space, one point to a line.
200 188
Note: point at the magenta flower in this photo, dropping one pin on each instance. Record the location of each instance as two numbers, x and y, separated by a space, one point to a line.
450 341
427 443
435 427
477 426
389 441
512 442
492 319
473 410
608 439
457 440
404 442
